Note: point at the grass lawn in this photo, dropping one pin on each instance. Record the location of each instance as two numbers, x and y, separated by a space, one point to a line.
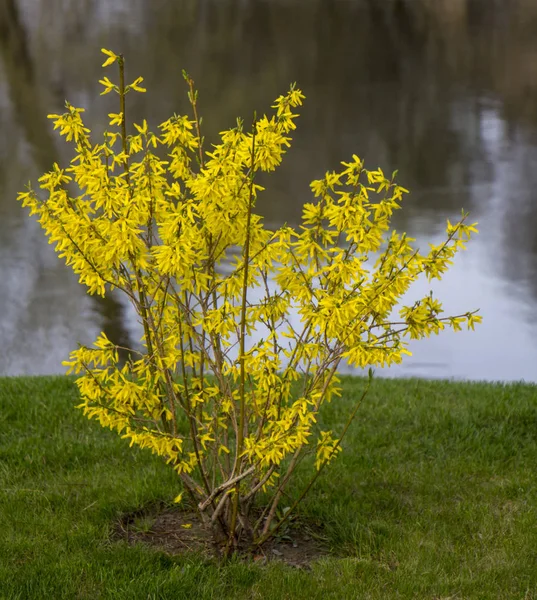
434 497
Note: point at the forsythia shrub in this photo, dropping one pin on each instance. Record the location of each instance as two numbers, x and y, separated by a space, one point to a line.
233 417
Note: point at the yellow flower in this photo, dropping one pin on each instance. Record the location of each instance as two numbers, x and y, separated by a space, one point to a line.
108 85
135 85
116 118
111 57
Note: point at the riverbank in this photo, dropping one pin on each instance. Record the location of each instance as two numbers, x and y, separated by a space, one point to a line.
435 496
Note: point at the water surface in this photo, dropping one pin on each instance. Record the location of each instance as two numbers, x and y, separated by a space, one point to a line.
446 93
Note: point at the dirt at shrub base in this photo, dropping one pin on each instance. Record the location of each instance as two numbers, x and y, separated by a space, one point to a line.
177 532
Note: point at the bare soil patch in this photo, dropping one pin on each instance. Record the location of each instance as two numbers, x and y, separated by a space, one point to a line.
177 532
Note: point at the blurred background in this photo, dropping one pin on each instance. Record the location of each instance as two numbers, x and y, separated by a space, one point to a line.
445 91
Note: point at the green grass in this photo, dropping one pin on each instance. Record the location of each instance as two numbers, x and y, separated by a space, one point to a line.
435 497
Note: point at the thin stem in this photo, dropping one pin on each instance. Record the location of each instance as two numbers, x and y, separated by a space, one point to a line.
242 347
122 94
225 486
266 534
295 460
193 97
140 285
279 493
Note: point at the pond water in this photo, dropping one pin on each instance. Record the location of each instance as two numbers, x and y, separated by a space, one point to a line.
445 92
